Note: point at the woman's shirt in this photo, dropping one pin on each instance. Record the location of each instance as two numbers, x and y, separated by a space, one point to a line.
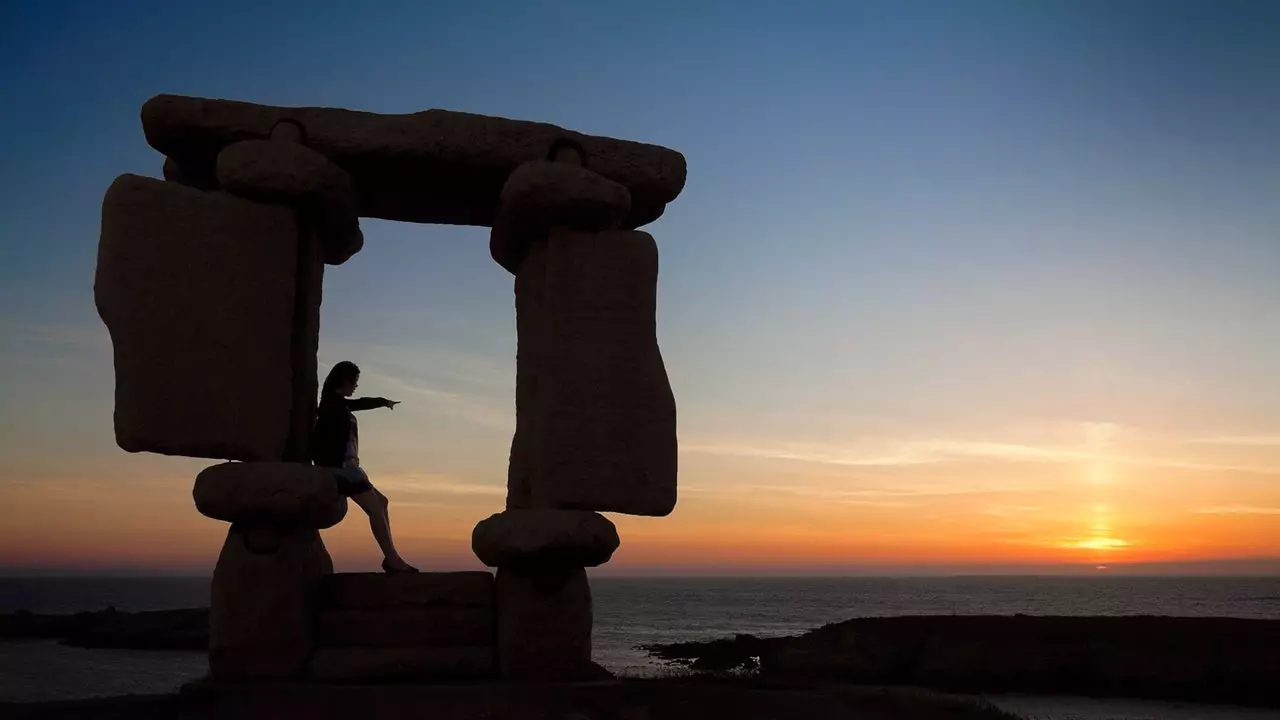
335 439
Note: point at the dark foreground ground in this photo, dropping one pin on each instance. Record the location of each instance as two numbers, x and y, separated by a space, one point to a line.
663 699
1210 660
1216 660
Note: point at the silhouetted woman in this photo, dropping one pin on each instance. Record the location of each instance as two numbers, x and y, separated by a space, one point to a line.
335 443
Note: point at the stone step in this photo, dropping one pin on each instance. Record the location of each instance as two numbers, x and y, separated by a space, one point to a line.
365 591
383 664
405 626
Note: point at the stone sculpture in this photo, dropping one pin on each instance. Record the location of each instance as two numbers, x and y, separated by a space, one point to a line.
210 283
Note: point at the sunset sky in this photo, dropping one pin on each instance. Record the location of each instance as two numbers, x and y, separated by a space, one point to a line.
952 287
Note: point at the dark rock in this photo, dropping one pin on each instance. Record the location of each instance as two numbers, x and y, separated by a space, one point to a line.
1195 659
263 604
270 493
597 400
198 292
472 589
540 195
544 624
432 166
542 537
434 664
406 626
153 630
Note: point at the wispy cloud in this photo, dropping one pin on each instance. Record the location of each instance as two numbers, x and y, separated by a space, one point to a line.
895 453
1238 510
483 411
1240 440
1004 511
55 333
904 495
437 485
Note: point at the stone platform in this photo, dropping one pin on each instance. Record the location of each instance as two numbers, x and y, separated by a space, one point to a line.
402 627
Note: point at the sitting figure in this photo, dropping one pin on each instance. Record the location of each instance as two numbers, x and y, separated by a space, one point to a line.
335 443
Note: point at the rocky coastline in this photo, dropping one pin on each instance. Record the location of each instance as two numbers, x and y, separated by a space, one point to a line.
1210 660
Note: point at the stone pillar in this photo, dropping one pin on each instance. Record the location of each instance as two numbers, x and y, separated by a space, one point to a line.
263 605
543 598
595 417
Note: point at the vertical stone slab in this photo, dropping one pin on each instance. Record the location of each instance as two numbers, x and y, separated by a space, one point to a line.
198 290
605 417
544 624
263 602
530 285
305 342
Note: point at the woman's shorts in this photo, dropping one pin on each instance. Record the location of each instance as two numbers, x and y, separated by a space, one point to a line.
353 481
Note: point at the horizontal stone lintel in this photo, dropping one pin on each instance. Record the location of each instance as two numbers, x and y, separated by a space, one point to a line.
433 166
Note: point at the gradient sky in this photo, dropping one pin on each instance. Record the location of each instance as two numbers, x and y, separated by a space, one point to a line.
952 286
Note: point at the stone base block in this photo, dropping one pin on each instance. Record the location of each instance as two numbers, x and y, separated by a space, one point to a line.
363 664
544 625
262 606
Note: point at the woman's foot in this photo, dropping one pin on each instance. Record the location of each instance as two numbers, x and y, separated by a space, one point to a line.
397 565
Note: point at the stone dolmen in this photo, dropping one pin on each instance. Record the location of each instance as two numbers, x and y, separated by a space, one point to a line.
210 283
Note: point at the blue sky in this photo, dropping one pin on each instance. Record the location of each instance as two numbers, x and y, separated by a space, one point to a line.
995 224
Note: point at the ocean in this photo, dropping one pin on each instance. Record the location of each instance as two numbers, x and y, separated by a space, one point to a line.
630 612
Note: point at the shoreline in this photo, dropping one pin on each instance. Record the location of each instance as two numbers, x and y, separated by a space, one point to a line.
1203 660
1190 659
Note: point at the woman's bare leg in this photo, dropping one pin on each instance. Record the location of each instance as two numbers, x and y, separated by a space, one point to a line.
375 504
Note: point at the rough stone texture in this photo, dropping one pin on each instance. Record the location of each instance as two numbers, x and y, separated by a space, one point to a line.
270 493
543 538
305 343
531 335
544 624
262 604
353 664
542 194
198 292
283 171
201 178
431 166
472 589
595 415
406 627
288 172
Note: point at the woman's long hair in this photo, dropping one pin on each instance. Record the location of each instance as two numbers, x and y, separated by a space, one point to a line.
341 374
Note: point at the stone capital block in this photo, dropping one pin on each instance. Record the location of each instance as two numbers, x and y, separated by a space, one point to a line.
274 493
544 538
206 298
595 415
541 195
289 172
544 624
263 602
